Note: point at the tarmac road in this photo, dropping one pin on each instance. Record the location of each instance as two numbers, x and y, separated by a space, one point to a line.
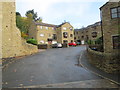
49 67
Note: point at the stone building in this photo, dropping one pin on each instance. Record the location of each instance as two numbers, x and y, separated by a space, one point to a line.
110 15
47 33
91 32
12 44
109 60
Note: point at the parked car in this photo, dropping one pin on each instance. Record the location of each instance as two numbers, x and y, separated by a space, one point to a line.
57 45
72 44
78 43
94 48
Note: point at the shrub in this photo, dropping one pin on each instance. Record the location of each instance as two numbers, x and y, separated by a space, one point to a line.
90 42
24 35
99 40
32 41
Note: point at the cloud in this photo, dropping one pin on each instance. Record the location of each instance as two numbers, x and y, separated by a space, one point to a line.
77 12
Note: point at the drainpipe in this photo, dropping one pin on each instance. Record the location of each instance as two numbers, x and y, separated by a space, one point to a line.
102 30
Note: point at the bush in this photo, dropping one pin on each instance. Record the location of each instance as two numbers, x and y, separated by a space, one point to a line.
90 42
99 40
24 35
32 41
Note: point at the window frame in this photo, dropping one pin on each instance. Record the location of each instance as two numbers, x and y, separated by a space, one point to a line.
118 12
64 28
42 41
71 35
46 28
42 35
94 34
54 37
41 27
114 42
65 34
71 28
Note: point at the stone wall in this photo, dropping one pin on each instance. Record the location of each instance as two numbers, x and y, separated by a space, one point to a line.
105 61
109 26
12 43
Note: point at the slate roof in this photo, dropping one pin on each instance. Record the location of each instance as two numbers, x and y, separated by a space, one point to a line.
45 24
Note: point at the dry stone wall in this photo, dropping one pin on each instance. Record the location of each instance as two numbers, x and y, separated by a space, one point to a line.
107 62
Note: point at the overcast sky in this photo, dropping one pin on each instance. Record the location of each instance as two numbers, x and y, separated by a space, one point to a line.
78 12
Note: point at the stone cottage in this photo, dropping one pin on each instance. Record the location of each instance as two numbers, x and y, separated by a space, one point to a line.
110 15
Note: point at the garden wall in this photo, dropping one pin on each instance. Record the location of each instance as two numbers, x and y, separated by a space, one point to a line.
107 62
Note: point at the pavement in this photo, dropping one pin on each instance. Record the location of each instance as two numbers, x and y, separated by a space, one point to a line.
84 62
98 83
53 68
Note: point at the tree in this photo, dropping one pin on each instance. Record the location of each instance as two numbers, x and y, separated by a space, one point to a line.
34 15
39 19
19 21
24 23
18 14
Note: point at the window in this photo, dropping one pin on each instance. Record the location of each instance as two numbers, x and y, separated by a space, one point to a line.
65 34
74 37
87 37
82 36
71 28
41 27
119 12
41 41
71 40
94 34
42 35
65 41
64 28
71 35
115 12
53 28
46 28
116 42
54 36
74 33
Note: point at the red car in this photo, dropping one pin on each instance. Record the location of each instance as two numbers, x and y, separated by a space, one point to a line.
72 44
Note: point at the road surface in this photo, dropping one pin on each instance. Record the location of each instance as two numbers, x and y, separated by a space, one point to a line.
49 67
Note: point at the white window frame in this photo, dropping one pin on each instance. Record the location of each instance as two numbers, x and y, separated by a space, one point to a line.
42 41
41 27
71 28
41 35
64 28
53 28
46 28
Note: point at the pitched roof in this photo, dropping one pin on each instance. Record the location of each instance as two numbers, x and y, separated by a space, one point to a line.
63 24
76 29
104 5
45 24
50 25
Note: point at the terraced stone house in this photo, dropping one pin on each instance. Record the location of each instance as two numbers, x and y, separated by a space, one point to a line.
110 15
47 33
91 32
